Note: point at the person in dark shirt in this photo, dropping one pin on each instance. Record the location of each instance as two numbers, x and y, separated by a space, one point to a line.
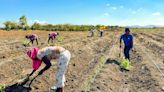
128 42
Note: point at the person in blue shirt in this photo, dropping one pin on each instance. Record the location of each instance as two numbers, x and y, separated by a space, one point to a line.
128 42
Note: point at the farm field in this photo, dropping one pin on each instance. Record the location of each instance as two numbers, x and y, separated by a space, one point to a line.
93 65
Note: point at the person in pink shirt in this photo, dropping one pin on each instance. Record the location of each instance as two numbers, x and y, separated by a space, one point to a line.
32 37
46 55
52 36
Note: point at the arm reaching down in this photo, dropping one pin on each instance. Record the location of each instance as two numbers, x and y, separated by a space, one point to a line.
29 42
48 65
32 73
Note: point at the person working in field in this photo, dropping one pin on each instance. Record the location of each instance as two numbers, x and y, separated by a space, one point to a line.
52 36
92 32
101 31
46 55
128 42
32 37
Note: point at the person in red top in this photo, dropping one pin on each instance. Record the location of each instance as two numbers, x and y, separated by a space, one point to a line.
52 36
32 37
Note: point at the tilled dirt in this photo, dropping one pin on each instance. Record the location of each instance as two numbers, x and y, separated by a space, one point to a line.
86 52
143 76
154 37
155 46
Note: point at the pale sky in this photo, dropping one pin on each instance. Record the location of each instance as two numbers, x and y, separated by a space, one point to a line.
106 12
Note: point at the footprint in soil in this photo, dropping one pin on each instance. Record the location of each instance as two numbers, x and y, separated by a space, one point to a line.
17 88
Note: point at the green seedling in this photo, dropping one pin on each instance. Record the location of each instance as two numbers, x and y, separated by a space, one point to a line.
96 70
60 38
24 41
2 87
125 64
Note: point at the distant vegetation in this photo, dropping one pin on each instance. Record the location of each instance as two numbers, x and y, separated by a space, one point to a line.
22 24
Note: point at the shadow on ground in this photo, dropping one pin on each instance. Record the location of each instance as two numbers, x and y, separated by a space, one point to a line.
17 88
111 61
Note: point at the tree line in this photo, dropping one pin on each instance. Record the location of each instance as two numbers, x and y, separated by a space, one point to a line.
22 24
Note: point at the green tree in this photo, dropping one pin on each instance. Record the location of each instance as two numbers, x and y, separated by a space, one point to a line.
98 26
36 26
10 25
23 22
